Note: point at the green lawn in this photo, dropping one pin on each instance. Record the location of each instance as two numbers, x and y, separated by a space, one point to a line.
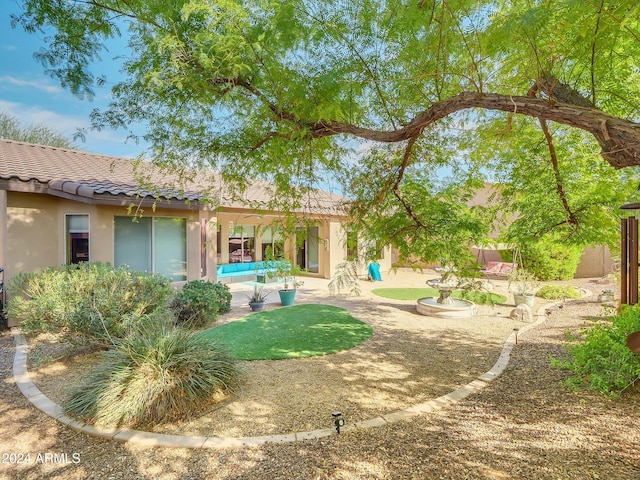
481 298
291 332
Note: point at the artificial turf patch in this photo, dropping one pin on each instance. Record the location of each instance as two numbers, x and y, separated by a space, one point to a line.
291 332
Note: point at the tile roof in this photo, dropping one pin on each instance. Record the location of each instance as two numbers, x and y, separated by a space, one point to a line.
98 178
79 173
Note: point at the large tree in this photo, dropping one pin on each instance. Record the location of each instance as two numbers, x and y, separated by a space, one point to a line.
300 90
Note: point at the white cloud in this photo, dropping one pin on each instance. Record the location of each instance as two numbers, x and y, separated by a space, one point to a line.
41 85
33 115
106 142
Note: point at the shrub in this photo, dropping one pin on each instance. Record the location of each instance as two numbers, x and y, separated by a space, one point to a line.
481 298
551 260
557 292
602 361
157 373
93 299
199 302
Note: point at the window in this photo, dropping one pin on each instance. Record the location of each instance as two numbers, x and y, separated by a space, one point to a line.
156 245
77 238
272 243
242 244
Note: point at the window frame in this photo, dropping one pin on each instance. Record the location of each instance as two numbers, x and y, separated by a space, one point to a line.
68 254
152 245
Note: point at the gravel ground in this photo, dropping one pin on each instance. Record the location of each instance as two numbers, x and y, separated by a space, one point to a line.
524 425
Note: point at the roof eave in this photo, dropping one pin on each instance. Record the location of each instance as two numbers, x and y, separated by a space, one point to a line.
105 199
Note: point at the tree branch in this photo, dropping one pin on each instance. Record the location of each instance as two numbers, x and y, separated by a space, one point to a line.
553 157
396 186
572 219
620 145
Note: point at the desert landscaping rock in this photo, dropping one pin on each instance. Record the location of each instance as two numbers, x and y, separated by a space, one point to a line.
522 313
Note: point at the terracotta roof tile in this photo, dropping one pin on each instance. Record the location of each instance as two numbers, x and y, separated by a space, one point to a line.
88 174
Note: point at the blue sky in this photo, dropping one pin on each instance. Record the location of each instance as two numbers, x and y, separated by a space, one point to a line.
29 94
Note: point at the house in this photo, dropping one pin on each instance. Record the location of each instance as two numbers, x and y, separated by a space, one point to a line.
60 206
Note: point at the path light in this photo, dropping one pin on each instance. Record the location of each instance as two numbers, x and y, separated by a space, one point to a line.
515 330
338 420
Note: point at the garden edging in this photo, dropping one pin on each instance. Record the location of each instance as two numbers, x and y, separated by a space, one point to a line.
47 406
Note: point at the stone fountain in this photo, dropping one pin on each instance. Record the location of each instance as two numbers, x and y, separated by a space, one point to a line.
445 305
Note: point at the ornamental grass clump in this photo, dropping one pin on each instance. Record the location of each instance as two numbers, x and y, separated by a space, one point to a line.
155 374
557 292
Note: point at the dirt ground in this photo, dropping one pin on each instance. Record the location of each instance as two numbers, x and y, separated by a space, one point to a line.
525 425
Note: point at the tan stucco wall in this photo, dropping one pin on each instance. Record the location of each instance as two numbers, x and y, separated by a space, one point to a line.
35 226
35 232
3 227
595 262
33 239
338 246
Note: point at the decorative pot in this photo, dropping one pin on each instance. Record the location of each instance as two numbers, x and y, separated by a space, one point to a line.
261 278
520 299
256 306
606 297
287 297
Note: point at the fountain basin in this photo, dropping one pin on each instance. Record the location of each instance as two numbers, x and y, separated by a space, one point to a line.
455 308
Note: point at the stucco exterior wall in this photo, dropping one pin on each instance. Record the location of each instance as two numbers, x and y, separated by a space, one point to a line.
338 246
35 231
33 237
35 234
595 262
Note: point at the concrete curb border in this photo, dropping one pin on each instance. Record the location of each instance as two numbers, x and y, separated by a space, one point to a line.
46 405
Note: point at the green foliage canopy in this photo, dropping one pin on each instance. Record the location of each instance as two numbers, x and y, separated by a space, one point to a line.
298 91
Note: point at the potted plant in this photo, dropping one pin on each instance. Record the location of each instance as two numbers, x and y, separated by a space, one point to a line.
256 299
261 271
524 286
284 270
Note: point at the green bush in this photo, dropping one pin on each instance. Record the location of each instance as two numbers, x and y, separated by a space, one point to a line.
200 302
557 292
602 361
549 260
157 373
92 299
481 298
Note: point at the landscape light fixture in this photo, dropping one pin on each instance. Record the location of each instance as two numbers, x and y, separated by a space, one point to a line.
338 421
